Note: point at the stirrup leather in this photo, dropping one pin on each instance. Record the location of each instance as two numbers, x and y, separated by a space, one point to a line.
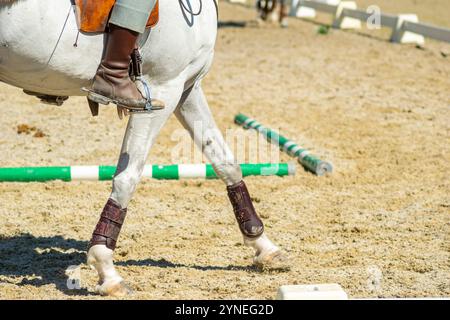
142 85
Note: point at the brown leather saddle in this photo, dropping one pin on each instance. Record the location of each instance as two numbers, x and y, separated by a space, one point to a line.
93 15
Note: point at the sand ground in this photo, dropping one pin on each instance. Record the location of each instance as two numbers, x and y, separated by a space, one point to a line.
379 225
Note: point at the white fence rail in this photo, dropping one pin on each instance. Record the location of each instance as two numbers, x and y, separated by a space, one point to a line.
427 30
405 27
319 5
386 20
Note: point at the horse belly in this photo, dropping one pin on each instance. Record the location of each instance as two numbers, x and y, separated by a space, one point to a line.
37 49
24 73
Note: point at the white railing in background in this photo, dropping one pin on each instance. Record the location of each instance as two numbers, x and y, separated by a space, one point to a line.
427 30
406 28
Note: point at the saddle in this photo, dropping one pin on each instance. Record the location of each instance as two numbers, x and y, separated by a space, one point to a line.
93 15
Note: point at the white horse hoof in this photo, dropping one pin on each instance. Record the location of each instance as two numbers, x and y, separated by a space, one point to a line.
117 290
277 260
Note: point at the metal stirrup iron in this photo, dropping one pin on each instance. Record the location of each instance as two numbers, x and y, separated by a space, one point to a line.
136 76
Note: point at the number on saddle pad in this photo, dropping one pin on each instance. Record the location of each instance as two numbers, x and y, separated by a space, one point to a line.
92 15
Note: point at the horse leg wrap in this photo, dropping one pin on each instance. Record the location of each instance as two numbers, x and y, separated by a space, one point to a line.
250 224
108 227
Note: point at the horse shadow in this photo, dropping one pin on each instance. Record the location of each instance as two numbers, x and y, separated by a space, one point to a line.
232 24
38 261
165 264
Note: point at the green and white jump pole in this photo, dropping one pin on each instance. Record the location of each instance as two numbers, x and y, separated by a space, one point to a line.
309 161
167 172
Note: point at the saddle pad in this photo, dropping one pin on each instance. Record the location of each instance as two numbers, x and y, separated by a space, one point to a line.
93 15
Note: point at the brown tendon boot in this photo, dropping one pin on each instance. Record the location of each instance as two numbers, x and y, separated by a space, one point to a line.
250 224
108 227
112 83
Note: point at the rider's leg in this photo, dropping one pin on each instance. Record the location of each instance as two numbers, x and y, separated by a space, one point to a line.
112 81
132 14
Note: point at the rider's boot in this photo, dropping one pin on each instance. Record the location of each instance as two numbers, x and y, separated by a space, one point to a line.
112 82
249 222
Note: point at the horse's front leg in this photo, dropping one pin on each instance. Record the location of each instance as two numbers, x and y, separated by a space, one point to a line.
194 113
140 134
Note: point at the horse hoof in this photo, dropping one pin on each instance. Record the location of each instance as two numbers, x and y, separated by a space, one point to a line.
277 260
116 290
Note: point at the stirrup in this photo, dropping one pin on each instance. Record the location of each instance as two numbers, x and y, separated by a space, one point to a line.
149 106
135 72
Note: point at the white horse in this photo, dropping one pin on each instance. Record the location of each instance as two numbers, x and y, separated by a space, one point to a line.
37 53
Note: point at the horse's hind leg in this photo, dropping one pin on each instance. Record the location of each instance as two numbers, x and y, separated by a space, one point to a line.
139 137
196 117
